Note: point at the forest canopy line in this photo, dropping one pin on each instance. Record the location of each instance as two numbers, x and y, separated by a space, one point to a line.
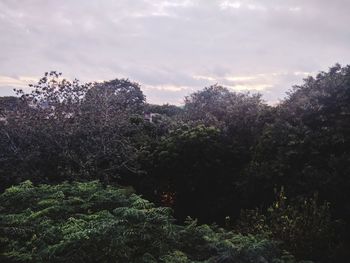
279 172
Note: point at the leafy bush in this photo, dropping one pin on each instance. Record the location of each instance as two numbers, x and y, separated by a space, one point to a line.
198 165
87 222
304 226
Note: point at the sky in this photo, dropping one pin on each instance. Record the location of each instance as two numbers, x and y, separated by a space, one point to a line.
174 47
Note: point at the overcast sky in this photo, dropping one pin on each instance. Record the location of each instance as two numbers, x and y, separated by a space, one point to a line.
174 47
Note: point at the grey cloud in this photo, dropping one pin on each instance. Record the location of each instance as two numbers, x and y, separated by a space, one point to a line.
166 43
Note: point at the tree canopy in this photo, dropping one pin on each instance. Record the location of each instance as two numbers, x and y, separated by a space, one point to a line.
221 158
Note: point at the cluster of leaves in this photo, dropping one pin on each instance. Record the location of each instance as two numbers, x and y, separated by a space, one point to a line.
303 225
184 163
7 104
87 222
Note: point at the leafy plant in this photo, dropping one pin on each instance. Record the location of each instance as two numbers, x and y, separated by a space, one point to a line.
87 222
304 225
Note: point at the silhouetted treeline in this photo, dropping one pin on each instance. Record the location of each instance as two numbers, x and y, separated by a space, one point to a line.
223 157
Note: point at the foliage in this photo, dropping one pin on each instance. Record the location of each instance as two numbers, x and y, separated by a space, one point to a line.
304 226
165 109
241 116
67 130
190 162
218 154
7 104
306 148
86 222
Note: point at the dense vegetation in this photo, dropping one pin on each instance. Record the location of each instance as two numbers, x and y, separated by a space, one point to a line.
274 174
86 222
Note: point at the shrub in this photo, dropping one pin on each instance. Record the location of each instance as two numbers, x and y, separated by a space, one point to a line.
87 222
304 226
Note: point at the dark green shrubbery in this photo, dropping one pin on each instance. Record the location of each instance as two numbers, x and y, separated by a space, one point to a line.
218 154
304 226
86 222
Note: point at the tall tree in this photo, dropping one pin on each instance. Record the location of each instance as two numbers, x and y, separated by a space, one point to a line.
307 147
67 130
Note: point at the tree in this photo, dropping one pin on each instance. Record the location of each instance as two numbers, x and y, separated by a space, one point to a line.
67 130
237 112
240 116
306 149
198 167
165 109
116 96
8 104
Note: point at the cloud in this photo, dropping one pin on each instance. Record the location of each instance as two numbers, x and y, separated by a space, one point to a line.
16 81
9 83
174 44
230 4
262 82
252 87
201 77
171 88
